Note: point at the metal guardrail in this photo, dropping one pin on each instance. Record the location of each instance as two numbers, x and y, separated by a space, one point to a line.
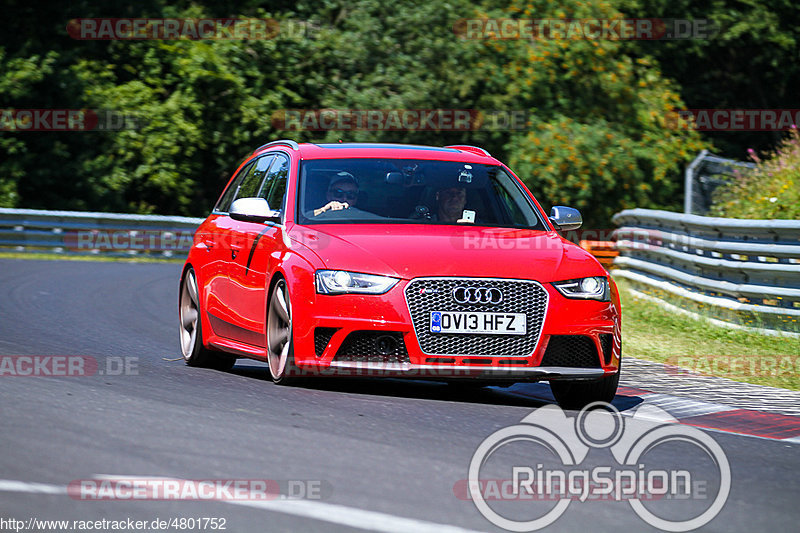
86 233
739 271
744 272
704 175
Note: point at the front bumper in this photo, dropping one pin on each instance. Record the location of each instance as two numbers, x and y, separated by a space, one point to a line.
450 372
597 322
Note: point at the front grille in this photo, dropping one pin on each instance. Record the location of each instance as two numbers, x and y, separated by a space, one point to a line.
606 340
441 360
322 336
424 295
576 351
373 347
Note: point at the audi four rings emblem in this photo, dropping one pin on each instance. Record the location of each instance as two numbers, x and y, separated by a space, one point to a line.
477 295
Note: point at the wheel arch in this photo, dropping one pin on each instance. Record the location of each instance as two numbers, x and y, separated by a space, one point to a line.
298 272
205 322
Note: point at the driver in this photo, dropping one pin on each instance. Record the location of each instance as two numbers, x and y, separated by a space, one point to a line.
342 193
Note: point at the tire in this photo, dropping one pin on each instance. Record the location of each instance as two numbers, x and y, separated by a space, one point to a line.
280 338
578 394
191 333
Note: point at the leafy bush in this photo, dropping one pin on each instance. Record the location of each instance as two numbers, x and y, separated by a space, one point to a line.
770 191
596 138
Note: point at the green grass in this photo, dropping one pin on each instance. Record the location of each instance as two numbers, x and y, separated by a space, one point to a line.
98 257
656 334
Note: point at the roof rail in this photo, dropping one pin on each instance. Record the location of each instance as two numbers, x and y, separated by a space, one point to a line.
286 142
467 148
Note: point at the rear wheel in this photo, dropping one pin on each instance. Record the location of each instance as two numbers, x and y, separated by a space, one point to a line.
578 394
194 353
280 345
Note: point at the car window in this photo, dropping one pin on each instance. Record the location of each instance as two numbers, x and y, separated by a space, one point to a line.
274 187
224 204
251 184
413 191
512 212
260 173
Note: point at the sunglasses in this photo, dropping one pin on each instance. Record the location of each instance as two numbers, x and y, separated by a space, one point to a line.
341 193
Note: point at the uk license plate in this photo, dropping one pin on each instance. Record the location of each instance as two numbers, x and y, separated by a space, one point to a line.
478 322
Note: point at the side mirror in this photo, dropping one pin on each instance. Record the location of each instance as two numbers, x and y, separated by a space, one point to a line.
565 218
253 210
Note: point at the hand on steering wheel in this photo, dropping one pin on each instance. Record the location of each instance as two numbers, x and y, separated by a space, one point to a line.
331 206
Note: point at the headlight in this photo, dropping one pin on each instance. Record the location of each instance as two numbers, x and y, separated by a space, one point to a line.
343 282
595 288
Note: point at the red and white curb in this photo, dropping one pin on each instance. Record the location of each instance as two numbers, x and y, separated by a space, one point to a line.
722 417
692 412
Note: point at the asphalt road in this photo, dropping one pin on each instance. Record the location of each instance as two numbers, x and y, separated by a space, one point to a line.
384 455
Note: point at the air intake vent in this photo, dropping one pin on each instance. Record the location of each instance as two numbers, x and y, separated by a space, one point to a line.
576 351
606 342
373 347
446 360
322 336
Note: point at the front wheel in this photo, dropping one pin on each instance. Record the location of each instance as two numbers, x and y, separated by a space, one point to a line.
578 394
280 345
194 353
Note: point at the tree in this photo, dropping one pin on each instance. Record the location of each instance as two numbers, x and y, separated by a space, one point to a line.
595 111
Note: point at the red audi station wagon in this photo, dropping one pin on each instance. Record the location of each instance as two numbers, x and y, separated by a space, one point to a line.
391 260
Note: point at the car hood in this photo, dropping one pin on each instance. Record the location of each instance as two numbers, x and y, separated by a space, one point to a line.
415 250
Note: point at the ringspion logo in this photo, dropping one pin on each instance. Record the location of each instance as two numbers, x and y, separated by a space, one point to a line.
668 495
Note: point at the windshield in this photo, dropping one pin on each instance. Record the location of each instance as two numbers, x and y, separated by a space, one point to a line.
411 191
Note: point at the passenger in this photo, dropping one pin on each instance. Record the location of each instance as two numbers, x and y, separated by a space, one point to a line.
450 203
